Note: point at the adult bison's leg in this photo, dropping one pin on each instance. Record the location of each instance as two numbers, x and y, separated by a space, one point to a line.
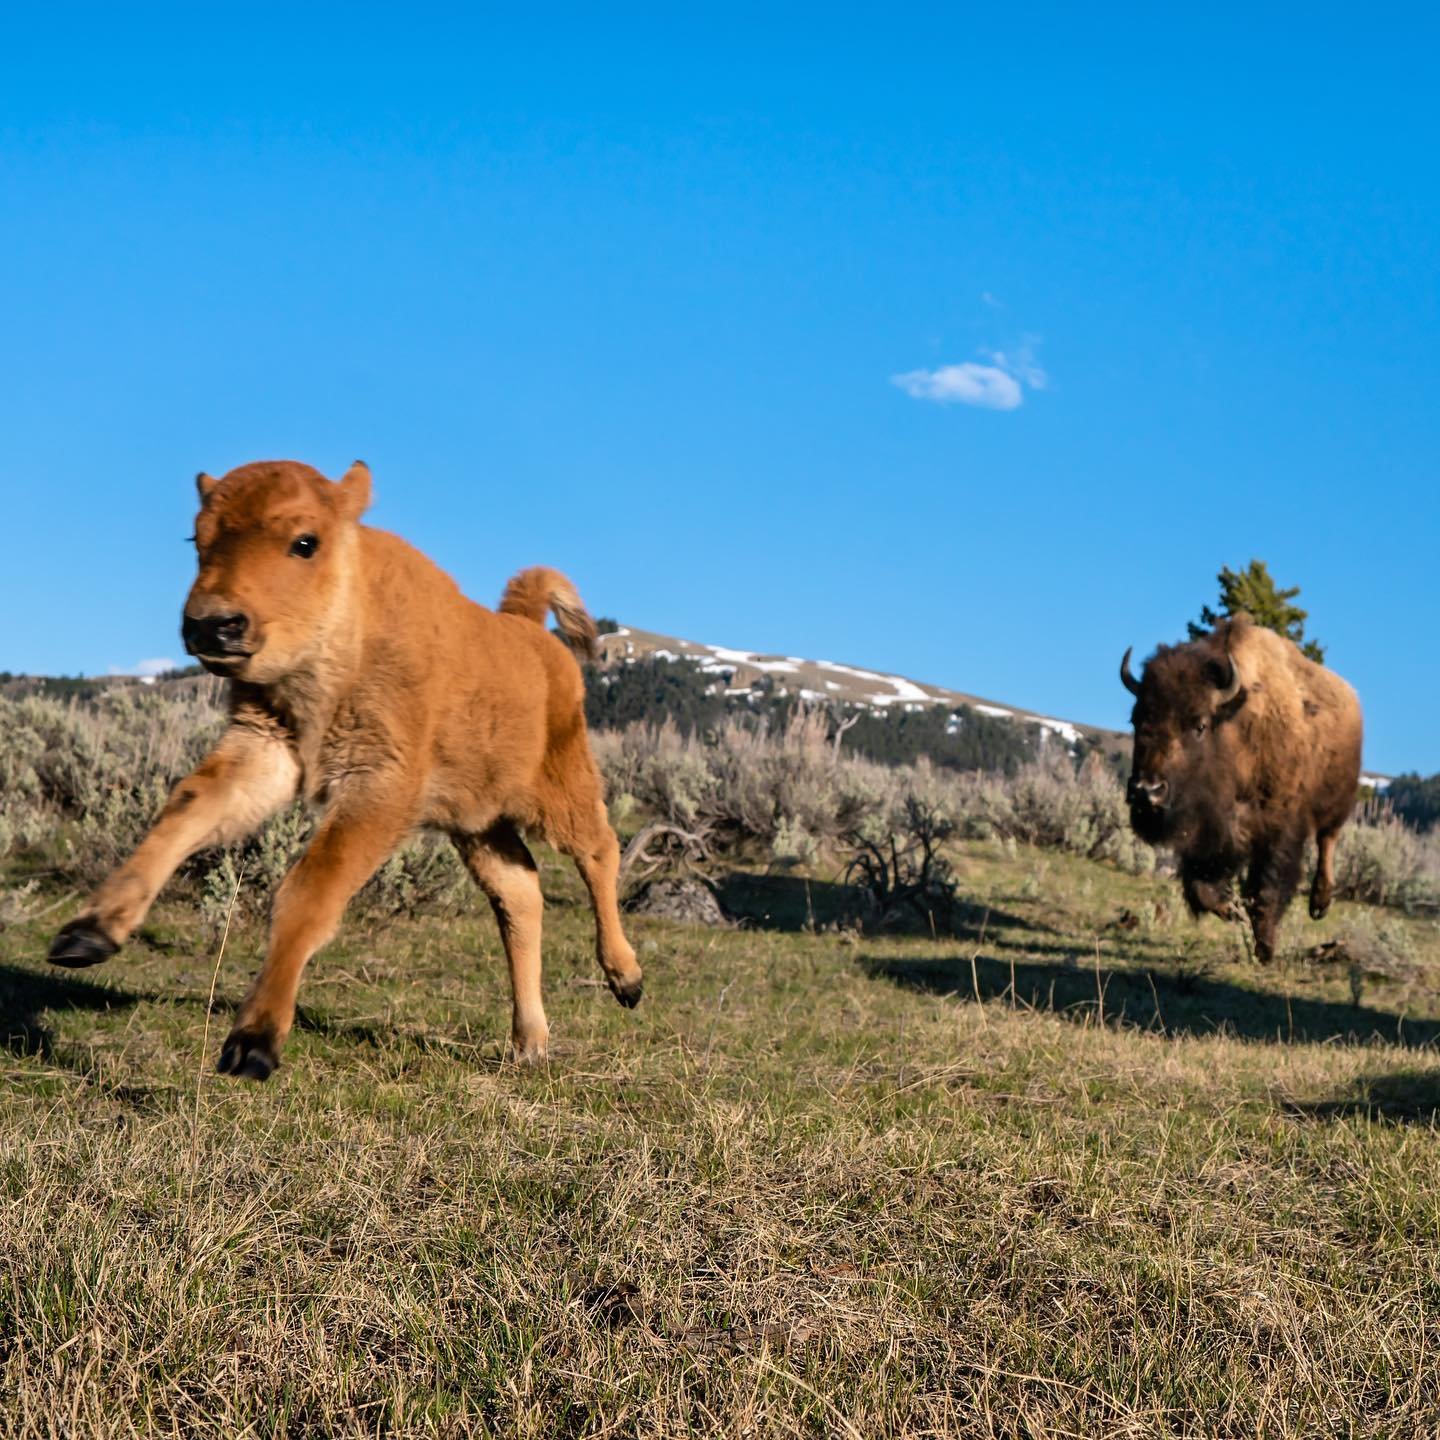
247 777
1322 890
347 849
505 870
1274 875
1208 889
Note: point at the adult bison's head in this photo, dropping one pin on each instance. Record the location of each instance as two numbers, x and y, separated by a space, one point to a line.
1180 770
276 544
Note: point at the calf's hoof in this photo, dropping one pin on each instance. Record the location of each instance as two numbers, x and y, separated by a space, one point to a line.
627 992
529 1052
1319 906
249 1054
80 943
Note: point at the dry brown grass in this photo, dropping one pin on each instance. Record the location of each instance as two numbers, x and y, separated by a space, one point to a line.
810 1187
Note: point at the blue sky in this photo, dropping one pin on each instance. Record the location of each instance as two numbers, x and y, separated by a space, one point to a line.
963 344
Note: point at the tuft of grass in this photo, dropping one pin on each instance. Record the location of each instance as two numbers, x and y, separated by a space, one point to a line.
1074 1170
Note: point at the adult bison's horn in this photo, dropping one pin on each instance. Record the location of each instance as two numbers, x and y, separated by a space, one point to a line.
1127 679
1229 691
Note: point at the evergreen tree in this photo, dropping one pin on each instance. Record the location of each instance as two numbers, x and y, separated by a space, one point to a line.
1254 591
1415 801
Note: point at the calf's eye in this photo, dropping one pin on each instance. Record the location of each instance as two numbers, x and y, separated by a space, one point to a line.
305 546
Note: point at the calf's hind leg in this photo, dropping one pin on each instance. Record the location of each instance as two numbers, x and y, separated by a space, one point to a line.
505 870
596 852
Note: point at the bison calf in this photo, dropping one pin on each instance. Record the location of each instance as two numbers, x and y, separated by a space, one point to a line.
1244 751
364 681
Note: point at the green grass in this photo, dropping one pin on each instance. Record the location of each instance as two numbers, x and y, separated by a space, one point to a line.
817 1184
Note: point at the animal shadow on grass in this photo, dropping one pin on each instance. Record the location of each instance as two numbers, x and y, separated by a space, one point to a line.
26 996
798 903
1148 999
1405 1097
485 1054
784 902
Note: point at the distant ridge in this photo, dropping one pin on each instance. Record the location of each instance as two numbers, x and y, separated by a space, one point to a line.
819 681
742 671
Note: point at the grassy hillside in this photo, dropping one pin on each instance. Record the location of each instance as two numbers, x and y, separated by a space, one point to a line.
1077 1170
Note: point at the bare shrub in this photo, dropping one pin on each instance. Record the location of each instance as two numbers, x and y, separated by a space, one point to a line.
663 848
905 875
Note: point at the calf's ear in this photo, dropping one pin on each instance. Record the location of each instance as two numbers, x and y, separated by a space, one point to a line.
354 486
205 484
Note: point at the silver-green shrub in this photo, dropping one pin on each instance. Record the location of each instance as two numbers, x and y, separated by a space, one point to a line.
83 782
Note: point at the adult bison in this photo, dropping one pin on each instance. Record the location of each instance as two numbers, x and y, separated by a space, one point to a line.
1244 750
362 680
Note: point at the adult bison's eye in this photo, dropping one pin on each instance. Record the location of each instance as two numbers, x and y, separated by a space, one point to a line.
1200 726
305 546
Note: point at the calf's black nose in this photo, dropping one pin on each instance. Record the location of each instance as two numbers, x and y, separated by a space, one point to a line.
214 634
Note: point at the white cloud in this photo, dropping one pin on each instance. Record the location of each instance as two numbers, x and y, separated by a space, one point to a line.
987 386
145 669
999 385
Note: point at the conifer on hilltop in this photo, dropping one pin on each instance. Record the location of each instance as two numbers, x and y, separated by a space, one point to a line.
1254 591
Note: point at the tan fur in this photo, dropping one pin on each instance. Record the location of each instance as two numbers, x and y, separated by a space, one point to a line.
384 697
532 592
1300 728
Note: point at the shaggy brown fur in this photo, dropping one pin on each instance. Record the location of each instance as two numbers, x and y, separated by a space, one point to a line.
1244 750
364 681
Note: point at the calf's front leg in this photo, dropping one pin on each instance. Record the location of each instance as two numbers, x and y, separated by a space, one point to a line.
348 847
245 779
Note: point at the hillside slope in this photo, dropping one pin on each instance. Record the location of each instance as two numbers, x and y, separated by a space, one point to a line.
744 671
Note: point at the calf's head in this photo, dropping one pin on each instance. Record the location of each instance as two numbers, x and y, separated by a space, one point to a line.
1180 768
276 544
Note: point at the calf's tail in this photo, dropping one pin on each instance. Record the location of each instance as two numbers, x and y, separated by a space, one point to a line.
532 592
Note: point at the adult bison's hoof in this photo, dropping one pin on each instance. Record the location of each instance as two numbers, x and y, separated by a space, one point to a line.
627 993
249 1054
81 943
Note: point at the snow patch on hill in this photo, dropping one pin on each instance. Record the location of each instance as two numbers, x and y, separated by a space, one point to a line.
749 672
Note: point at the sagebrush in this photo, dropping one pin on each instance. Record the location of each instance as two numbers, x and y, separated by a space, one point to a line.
81 781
